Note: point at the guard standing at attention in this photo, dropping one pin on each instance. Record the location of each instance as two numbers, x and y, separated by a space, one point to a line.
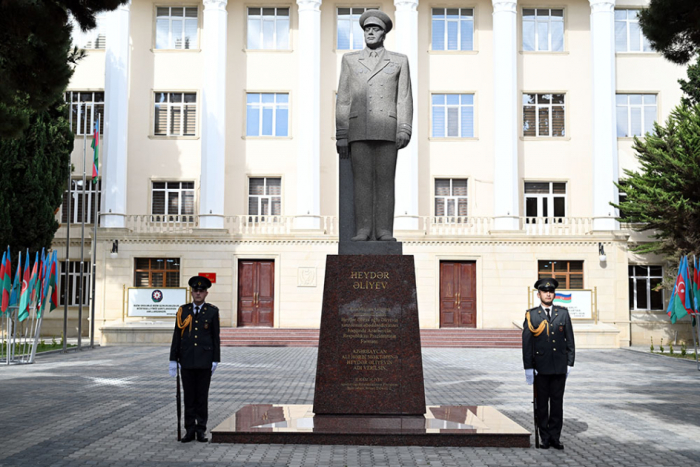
548 356
196 348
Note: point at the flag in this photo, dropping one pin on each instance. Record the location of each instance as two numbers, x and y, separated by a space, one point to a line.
2 289
52 282
14 296
96 150
33 280
679 306
45 281
23 311
6 280
564 298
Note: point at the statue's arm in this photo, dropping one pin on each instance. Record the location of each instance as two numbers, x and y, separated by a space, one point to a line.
404 101
343 102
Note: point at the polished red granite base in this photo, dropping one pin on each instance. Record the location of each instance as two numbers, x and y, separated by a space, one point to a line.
479 426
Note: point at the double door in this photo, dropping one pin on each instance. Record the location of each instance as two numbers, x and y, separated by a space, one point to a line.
457 294
256 293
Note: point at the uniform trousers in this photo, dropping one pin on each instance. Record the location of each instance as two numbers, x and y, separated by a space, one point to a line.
550 400
196 386
373 171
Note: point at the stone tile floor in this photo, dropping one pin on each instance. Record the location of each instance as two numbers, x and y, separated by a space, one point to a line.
116 406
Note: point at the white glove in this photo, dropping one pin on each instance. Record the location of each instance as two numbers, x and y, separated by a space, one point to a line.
173 369
568 370
213 367
530 376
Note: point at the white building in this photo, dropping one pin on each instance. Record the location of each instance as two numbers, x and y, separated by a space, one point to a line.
219 156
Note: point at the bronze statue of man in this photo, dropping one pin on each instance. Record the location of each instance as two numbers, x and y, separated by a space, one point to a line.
374 112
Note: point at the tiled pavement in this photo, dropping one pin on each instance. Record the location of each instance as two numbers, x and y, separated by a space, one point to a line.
116 406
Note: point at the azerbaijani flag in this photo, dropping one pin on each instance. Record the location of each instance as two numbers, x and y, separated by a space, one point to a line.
7 281
562 298
679 305
14 296
33 280
23 312
96 150
52 282
3 302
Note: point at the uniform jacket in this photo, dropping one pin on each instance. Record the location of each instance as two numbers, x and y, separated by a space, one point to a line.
198 348
549 354
373 104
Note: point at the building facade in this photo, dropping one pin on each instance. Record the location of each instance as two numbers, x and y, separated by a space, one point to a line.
219 157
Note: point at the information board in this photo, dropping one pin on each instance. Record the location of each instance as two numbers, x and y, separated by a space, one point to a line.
156 302
578 302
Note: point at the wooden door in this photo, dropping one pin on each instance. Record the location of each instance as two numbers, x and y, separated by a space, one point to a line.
256 293
457 294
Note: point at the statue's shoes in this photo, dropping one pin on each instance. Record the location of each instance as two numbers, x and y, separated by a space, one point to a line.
387 238
360 237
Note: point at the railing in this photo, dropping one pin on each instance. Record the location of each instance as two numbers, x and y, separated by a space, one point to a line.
556 225
457 225
158 223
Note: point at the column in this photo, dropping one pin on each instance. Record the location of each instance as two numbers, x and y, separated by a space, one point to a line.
116 118
406 204
308 108
506 206
605 165
212 179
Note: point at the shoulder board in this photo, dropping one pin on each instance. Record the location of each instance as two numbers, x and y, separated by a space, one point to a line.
562 308
532 309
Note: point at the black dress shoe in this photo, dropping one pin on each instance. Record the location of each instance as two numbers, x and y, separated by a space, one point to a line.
557 445
188 437
544 445
202 438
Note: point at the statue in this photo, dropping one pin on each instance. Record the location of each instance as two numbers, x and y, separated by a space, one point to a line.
374 112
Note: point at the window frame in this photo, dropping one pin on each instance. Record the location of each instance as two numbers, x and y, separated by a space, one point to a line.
276 6
167 217
566 284
459 106
445 218
549 106
151 270
521 13
643 40
274 116
248 195
336 23
550 199
73 281
74 202
632 277
642 106
197 104
459 29
200 14
88 104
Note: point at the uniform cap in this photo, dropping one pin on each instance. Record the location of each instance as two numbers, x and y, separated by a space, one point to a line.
376 18
547 283
199 282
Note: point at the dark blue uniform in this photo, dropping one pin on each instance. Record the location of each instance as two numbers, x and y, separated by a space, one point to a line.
195 347
549 354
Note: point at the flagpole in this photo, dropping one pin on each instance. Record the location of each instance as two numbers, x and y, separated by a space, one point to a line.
82 246
65 278
93 262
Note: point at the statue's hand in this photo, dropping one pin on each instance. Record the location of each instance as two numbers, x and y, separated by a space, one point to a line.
343 148
402 140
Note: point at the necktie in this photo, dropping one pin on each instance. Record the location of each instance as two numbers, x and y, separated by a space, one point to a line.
549 317
373 54
196 310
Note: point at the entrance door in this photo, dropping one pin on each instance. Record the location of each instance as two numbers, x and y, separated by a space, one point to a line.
256 293
458 294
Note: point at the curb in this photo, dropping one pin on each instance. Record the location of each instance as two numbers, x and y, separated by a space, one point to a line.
644 352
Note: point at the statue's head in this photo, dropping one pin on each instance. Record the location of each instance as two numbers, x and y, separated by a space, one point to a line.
376 25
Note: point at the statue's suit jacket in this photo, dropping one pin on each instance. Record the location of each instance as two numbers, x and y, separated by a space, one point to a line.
199 347
549 354
374 104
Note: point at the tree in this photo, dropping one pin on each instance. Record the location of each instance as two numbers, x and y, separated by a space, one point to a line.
663 196
36 58
673 28
33 174
691 87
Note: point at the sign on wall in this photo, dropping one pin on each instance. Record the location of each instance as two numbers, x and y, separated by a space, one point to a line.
578 302
156 302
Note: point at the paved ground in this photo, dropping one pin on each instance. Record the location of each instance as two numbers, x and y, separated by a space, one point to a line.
116 406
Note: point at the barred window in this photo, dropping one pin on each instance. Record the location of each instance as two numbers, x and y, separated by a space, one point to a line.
453 29
628 34
644 287
268 28
450 197
175 114
95 38
568 273
265 196
82 201
85 107
156 272
545 199
543 115
74 283
453 115
350 34
172 202
267 114
636 114
543 29
176 28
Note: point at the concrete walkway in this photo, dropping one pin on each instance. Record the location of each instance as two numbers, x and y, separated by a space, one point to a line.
116 406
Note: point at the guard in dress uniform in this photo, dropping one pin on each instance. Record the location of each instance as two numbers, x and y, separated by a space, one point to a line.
548 356
196 348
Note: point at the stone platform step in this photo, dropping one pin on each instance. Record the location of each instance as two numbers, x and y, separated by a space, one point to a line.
445 338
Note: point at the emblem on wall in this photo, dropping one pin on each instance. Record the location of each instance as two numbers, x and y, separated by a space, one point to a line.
157 296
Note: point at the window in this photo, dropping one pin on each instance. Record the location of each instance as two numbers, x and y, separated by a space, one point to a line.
450 197
94 38
628 34
644 290
176 28
568 273
175 114
453 29
622 198
543 30
74 282
636 114
545 199
267 114
543 115
82 202
172 202
157 272
85 107
350 34
453 115
268 28
265 196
